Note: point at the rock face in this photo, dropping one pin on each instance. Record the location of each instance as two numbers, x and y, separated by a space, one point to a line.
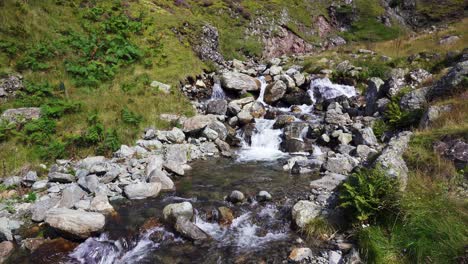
303 212
239 82
207 49
10 85
77 223
21 115
391 160
142 190
285 42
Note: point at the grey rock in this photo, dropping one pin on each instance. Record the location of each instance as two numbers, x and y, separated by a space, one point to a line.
77 223
236 197
220 128
257 110
415 99
40 185
70 196
418 76
299 78
29 179
209 133
303 212
12 181
432 114
244 117
451 82
90 161
100 203
449 40
365 136
275 70
197 123
275 91
155 162
263 196
6 228
341 164
83 205
189 230
54 189
365 153
142 190
216 107
176 153
176 135
306 166
162 178
165 88
61 177
125 152
39 209
334 257
208 43
172 212
239 82
372 94
21 115
153 144
382 105
6 249
329 182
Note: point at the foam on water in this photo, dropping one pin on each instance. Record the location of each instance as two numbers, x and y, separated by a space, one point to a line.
262 90
218 92
329 90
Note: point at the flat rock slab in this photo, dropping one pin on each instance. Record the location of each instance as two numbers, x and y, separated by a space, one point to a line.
80 224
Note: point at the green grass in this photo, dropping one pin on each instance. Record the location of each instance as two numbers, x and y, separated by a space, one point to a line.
318 228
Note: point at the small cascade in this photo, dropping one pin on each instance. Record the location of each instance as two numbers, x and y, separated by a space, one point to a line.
329 90
262 90
265 143
218 92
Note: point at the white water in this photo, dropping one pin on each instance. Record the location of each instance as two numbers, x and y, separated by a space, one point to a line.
329 90
218 92
265 143
243 232
102 250
262 90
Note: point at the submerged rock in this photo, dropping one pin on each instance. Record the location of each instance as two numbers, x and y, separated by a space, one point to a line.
77 223
189 230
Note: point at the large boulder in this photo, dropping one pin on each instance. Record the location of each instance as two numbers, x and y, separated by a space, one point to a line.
450 82
197 123
391 160
161 177
216 107
21 115
239 82
341 164
415 99
303 212
432 114
176 210
61 177
275 91
372 94
189 230
76 223
142 190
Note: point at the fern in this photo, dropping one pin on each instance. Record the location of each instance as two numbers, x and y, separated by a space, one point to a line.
130 117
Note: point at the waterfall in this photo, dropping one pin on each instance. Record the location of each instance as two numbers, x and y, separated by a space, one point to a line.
265 143
262 89
329 90
218 92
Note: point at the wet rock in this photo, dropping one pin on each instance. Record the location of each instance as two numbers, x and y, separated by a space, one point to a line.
297 97
174 211
244 117
391 160
283 120
301 255
293 145
71 195
6 228
432 114
303 212
289 165
77 223
257 110
61 177
306 166
162 178
236 197
197 123
21 115
6 249
142 190
189 230
239 82
372 94
263 196
275 91
216 107
226 216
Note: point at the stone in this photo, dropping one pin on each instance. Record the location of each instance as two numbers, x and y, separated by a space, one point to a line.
220 129
176 135
448 40
174 167
61 177
306 166
83 205
303 212
290 83
150 144
372 94
39 209
418 76
88 162
165 88
89 183
100 203
455 150
263 196
233 108
275 70
415 99
334 257
142 190
208 43
162 178
382 105
336 117
12 181
393 85
76 223
257 110
125 152
365 153
216 107
299 78
71 195
6 249
290 163
223 147
197 123
226 216
172 212
282 120
176 153
432 114
301 255
275 91
150 134
189 230
209 133
244 117
391 160
29 179
365 136
236 197
239 82
340 163
329 182
155 162
451 82
39 185
21 115
6 228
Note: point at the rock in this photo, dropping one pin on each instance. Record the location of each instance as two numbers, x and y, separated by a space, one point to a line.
275 70
10 85
299 78
343 138
415 99
176 135
61 177
155 162
334 257
244 117
162 178
223 147
226 216
70 196
142 190
150 134
197 123
88 162
275 91
172 212
6 228
329 182
283 42
382 105
207 45
290 83
176 153
289 165
220 129
301 255
100 204
365 153
165 88
12 181
150 144
455 150
174 167
451 82
337 41
449 40
341 164
239 82
125 152
418 76
257 110
372 92
365 136
209 133
236 197
6 249
432 114
303 212
21 115
89 183
336 117
77 223
233 109
306 166
217 107
39 185
29 179
391 160
189 230
283 120
263 196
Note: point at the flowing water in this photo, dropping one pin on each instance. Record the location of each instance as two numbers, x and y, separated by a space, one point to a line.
218 92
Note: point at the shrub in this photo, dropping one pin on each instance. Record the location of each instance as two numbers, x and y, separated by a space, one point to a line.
130 117
379 128
111 142
370 195
6 130
400 119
